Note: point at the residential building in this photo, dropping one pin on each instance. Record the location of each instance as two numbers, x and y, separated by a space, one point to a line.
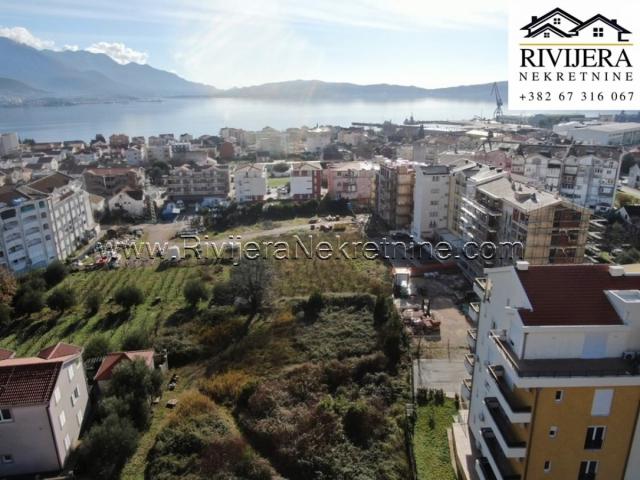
394 193
136 155
113 359
627 133
250 183
106 182
131 201
8 143
44 220
430 200
317 138
523 222
159 153
554 391
352 136
272 141
119 140
353 181
585 175
306 181
43 402
227 150
634 176
196 182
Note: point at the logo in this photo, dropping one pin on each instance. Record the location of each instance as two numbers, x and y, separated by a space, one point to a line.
575 59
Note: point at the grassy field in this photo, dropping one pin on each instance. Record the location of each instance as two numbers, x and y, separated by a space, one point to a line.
277 182
29 335
430 441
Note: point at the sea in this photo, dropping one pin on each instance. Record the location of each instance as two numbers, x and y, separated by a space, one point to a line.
199 116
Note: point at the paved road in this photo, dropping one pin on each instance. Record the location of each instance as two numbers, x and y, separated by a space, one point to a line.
439 373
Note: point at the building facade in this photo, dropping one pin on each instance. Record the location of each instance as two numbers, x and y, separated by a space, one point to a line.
554 391
106 182
394 193
353 181
198 181
250 183
305 181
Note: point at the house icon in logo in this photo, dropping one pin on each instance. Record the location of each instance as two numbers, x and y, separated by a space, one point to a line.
558 24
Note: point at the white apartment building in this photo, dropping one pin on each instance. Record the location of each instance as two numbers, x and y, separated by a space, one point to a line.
250 183
159 153
43 402
584 175
430 201
44 220
317 138
306 180
554 391
272 141
136 155
8 143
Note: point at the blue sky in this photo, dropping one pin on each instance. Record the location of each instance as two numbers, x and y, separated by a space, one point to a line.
246 42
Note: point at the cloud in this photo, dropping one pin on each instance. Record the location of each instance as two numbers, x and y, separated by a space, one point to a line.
119 52
24 36
71 48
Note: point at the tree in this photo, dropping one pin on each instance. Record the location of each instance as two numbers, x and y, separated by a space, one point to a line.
106 448
8 286
223 294
93 302
61 299
251 279
97 346
135 378
380 311
28 301
128 296
313 306
194 291
54 273
5 314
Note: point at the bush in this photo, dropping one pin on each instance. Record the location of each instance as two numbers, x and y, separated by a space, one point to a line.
380 311
223 294
97 346
5 314
61 299
215 315
93 302
181 350
54 273
194 291
226 387
136 340
28 301
106 448
361 424
128 296
313 306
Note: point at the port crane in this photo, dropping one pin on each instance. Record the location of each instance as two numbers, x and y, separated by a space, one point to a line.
496 92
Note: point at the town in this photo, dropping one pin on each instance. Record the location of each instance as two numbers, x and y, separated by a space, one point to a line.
408 364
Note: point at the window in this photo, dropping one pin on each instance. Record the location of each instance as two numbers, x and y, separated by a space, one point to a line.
547 35
547 466
7 458
75 396
598 32
79 417
71 372
588 470
557 21
67 442
63 419
5 415
553 432
601 403
559 396
56 395
594 438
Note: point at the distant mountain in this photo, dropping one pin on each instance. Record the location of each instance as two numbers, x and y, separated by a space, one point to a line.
30 74
310 90
84 74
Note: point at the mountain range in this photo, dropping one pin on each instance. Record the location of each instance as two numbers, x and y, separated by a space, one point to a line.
28 74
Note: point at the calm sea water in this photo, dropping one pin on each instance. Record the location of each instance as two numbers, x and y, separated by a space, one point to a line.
206 116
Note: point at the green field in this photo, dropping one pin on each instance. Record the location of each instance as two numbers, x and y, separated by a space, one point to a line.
430 442
277 182
29 335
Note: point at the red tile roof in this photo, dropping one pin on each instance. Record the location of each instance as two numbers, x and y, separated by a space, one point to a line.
59 350
572 294
6 354
113 359
27 384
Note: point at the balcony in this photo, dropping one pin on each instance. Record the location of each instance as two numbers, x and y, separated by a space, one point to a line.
511 445
480 287
523 372
474 312
466 389
483 469
500 465
472 337
469 362
516 410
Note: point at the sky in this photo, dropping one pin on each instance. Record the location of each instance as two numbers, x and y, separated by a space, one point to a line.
248 42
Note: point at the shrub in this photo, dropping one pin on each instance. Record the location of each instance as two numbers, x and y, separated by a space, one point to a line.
226 387
106 448
221 336
223 294
8 286
313 306
54 273
136 340
194 291
215 315
93 302
380 311
28 301
97 346
61 299
5 314
181 350
361 422
128 296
